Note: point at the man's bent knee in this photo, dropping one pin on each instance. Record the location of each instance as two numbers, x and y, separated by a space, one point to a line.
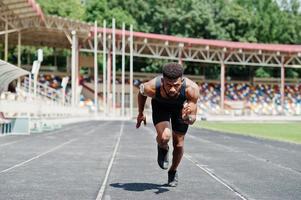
178 144
163 139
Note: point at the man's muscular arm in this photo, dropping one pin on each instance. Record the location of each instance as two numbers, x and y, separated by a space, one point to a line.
146 89
190 108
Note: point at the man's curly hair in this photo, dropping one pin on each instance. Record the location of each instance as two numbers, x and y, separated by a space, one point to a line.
172 70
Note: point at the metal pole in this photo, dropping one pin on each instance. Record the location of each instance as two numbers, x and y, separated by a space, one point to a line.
114 66
73 67
95 69
19 49
55 56
63 95
64 85
35 80
77 88
123 70
29 85
104 63
19 56
131 71
34 71
282 86
222 86
109 78
6 42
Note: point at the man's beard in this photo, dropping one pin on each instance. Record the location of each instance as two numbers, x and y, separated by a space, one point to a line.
170 96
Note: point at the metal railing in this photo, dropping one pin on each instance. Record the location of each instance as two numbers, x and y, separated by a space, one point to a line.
41 91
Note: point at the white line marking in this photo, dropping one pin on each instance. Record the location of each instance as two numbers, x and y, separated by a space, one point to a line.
89 132
9 143
40 135
55 132
188 157
236 150
38 156
94 128
104 183
208 171
258 140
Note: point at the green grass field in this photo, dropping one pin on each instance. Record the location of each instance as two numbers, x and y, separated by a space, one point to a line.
282 131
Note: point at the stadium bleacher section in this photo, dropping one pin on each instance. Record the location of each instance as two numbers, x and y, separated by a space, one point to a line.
261 99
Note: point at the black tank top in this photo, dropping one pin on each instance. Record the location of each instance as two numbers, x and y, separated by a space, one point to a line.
178 102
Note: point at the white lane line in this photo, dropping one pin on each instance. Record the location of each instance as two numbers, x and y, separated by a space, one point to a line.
38 156
236 150
89 132
206 170
40 135
104 183
9 143
258 140
67 128
55 132
202 167
228 148
94 128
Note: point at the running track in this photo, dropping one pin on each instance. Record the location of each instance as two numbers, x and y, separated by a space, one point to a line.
113 160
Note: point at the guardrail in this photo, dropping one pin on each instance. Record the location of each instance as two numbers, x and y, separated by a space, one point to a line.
44 92
5 126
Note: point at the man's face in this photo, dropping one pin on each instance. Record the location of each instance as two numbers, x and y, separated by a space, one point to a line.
172 86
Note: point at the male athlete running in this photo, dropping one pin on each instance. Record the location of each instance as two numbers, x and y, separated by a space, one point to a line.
174 98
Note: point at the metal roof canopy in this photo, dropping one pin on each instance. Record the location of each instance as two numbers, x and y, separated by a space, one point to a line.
203 50
8 73
51 31
39 30
17 10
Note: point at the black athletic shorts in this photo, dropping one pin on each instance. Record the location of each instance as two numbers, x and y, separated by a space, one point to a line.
162 112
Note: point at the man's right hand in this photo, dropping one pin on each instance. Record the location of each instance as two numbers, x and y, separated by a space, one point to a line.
140 118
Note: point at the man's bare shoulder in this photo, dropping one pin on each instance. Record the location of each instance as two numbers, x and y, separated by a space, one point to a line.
150 87
192 89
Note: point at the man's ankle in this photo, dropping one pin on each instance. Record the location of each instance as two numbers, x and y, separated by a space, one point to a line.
172 169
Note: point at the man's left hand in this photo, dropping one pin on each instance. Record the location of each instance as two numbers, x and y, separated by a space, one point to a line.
186 114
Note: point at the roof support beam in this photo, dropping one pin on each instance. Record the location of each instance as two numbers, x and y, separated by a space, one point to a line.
68 37
9 31
12 2
17 11
19 6
7 21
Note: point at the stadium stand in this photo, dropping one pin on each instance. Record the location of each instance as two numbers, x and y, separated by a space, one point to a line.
261 99
241 98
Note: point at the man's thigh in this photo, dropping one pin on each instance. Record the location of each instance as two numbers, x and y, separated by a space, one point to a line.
159 113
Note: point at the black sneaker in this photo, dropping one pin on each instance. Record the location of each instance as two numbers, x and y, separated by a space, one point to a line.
163 160
172 178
